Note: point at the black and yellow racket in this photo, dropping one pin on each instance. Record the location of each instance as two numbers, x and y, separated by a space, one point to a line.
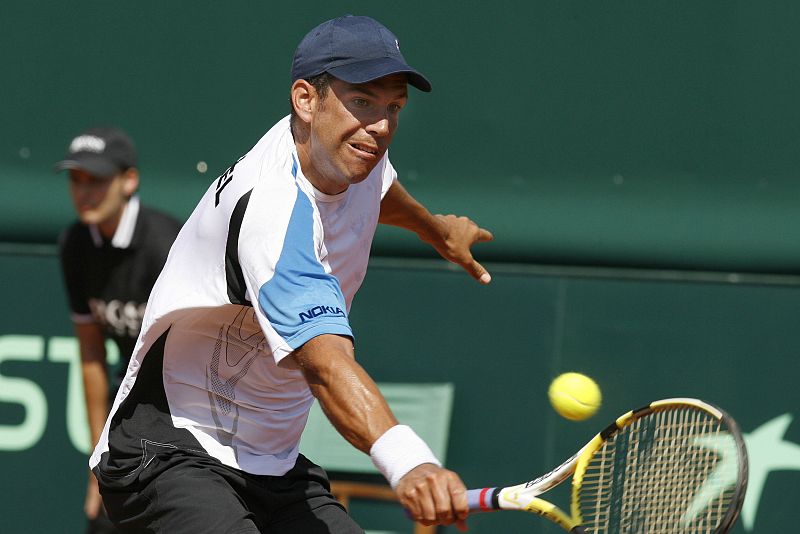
673 466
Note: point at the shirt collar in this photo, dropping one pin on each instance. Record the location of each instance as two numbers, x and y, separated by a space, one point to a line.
127 224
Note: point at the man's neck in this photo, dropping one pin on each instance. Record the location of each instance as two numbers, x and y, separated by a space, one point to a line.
312 174
109 227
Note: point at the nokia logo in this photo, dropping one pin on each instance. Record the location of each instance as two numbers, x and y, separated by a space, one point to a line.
316 311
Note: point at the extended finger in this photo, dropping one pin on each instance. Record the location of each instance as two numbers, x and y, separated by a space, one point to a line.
484 235
475 269
478 272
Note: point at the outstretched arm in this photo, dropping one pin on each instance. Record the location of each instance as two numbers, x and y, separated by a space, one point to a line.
451 236
358 411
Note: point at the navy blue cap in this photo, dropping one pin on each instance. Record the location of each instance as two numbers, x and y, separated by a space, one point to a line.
354 49
102 152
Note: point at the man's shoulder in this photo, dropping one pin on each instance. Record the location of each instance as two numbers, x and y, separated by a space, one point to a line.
273 149
157 215
158 220
75 235
263 166
155 232
75 246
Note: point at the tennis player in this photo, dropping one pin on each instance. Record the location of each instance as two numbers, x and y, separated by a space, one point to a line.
248 322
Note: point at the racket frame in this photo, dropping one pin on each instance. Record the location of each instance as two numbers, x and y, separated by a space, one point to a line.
525 496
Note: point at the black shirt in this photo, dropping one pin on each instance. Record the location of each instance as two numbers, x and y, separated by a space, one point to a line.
109 283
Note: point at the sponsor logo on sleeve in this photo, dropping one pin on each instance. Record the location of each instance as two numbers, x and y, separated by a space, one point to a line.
318 311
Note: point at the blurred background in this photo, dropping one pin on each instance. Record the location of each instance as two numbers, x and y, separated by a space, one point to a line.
638 163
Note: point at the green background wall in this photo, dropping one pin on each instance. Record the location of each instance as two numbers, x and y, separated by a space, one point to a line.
642 334
621 132
637 162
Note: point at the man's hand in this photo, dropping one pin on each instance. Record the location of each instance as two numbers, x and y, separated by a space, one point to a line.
451 236
434 496
453 240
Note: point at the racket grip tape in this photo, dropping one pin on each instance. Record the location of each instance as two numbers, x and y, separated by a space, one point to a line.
478 500
482 500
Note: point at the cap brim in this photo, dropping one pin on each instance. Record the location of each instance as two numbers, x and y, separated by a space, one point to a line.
372 69
92 163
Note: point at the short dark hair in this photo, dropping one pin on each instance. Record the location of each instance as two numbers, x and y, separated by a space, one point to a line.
320 82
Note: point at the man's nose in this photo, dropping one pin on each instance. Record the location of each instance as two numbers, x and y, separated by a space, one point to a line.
380 127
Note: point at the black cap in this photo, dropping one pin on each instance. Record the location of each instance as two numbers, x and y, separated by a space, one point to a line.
354 49
103 152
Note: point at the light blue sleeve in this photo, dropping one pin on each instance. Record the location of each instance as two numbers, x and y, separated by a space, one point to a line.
302 301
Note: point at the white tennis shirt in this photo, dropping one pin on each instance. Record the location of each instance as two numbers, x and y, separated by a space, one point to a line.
265 263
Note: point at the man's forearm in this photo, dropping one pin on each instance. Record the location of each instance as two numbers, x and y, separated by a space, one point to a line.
451 236
358 410
399 208
95 378
95 387
346 393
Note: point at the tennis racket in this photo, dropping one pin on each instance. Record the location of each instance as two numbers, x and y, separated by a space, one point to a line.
673 466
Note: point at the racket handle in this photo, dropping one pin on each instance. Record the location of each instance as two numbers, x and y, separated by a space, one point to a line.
478 500
481 500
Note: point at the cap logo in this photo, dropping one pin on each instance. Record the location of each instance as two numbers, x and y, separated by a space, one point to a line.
397 44
87 143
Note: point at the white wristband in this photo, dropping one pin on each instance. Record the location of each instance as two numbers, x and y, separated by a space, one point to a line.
398 451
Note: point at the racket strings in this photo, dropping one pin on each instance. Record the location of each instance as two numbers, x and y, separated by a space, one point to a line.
672 471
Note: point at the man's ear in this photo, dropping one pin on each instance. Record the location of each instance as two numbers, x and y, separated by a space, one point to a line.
304 98
130 181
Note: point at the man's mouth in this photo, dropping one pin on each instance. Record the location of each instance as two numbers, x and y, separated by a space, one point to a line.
367 149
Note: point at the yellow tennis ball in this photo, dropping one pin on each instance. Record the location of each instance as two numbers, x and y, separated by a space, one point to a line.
575 396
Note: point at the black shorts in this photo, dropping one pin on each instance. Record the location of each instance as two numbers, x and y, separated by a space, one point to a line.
189 493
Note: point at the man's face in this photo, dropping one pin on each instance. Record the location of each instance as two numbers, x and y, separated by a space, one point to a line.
352 128
97 200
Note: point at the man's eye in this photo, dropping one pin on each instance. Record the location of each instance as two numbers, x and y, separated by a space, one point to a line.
361 102
395 108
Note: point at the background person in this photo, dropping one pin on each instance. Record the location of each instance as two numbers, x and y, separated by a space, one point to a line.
110 258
